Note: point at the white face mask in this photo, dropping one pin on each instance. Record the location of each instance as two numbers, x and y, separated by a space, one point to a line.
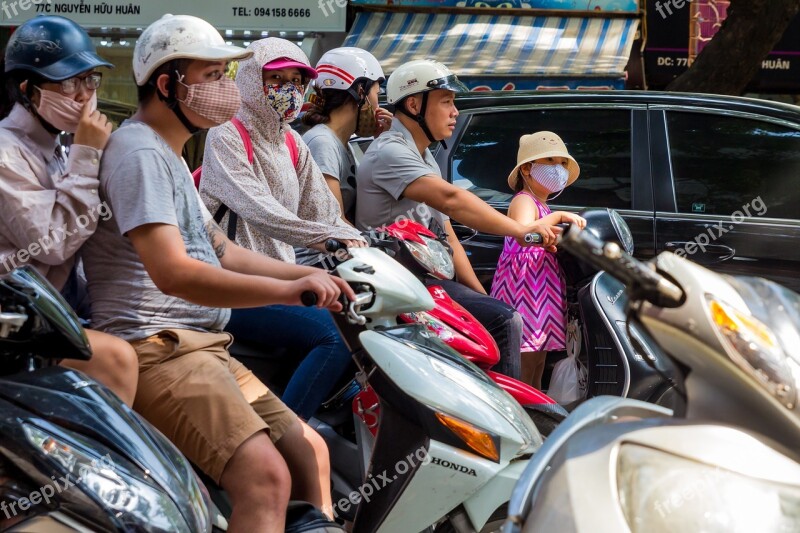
553 178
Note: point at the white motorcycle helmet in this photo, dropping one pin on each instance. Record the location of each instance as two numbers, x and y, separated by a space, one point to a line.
346 69
420 76
180 37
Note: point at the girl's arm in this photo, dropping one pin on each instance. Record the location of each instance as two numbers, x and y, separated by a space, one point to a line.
558 217
523 209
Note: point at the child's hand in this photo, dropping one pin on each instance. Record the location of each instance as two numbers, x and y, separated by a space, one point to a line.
548 232
572 218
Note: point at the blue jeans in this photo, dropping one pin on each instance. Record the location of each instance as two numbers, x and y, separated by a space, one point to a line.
306 330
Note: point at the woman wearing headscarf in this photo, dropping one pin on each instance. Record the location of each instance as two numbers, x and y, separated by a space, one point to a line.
274 204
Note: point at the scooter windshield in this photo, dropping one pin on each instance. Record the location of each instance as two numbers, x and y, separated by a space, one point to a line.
421 337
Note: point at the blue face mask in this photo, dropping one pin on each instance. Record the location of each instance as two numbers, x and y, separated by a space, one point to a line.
553 178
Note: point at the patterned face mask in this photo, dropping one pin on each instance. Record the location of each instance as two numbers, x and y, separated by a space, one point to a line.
217 101
553 178
286 99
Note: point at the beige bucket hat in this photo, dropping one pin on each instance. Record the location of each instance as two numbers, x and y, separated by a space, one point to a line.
538 146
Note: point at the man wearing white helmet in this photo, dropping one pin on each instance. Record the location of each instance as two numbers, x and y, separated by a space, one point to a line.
399 178
346 102
162 275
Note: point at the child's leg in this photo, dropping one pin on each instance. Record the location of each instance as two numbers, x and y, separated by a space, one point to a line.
113 363
533 368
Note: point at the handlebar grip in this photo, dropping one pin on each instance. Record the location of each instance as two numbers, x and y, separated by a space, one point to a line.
334 245
533 238
308 298
610 257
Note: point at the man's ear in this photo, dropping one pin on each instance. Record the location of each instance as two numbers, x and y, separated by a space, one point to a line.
162 85
23 86
412 105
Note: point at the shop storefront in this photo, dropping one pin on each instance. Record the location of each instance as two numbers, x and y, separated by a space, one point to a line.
678 31
505 44
115 26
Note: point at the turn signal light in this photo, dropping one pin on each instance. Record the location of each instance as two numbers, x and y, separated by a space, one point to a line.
479 441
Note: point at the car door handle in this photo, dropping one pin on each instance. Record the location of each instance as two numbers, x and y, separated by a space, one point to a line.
463 233
717 252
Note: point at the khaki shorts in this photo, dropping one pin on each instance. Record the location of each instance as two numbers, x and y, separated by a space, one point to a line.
205 401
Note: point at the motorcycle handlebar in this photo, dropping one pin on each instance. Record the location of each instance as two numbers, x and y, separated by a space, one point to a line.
308 298
533 238
608 256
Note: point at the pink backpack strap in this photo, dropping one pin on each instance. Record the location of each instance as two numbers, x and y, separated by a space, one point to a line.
248 144
291 144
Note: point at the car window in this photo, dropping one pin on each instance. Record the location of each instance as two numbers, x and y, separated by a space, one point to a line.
723 163
598 139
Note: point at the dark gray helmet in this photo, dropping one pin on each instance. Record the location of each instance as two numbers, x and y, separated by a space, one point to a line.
53 47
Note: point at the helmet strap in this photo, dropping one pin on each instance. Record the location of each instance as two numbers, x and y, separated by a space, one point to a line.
420 118
171 100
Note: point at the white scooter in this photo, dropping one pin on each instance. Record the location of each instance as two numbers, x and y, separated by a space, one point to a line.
442 445
619 465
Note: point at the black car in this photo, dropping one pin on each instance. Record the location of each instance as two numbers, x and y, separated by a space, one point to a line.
715 178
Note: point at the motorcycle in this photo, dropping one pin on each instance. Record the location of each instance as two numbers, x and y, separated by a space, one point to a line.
429 258
622 465
620 358
448 443
73 457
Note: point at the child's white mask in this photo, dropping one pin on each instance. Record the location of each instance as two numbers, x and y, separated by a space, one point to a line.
553 178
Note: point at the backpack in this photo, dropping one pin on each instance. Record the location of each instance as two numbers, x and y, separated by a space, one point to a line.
233 220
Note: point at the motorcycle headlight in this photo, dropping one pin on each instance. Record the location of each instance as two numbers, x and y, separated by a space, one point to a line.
753 346
433 256
663 493
498 399
137 502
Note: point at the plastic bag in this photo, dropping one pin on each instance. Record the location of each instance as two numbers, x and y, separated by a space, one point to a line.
568 382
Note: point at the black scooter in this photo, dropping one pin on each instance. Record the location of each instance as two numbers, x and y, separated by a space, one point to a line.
73 457
621 358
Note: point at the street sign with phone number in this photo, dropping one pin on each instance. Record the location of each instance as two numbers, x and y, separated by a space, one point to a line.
261 15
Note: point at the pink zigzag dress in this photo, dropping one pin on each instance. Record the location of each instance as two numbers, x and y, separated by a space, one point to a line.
530 279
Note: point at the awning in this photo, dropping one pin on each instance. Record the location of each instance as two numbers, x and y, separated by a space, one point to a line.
499 45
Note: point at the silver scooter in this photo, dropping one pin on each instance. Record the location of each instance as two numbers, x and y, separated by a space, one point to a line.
623 465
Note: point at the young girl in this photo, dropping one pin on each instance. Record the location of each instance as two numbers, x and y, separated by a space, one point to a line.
49 77
346 102
530 278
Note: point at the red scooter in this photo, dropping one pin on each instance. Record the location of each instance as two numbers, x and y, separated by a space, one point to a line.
419 250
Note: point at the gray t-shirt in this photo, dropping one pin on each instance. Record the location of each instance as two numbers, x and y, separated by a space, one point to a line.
334 159
391 164
144 182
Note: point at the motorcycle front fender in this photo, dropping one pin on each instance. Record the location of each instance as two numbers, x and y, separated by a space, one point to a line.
492 495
